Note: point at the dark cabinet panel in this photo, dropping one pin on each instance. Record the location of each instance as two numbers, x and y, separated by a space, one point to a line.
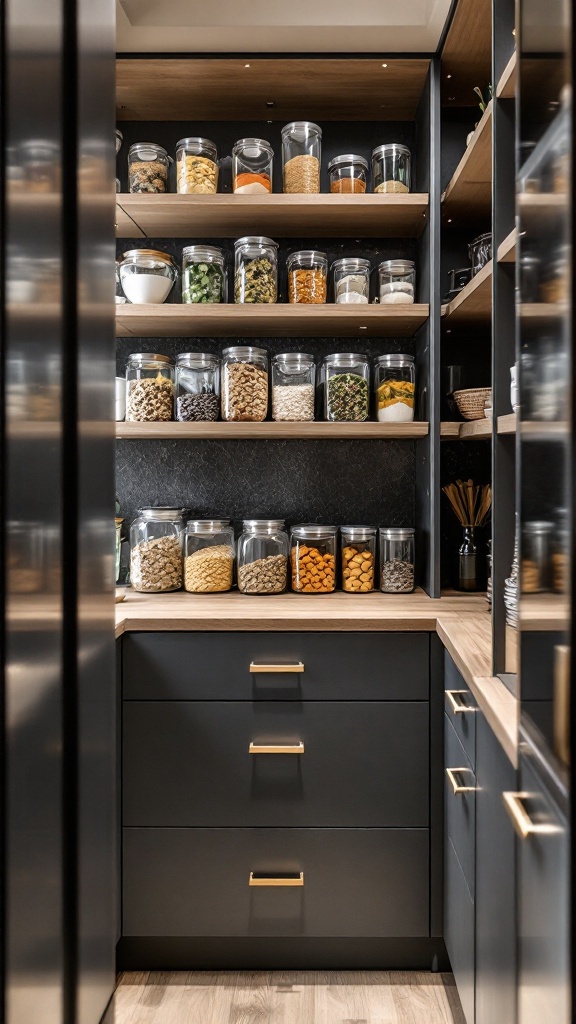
460 707
459 930
460 805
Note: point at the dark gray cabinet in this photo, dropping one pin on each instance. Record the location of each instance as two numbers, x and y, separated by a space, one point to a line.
459 929
460 707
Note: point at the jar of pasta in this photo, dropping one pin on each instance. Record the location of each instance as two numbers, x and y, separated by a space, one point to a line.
252 162
197 166
307 276
394 384
348 173
313 558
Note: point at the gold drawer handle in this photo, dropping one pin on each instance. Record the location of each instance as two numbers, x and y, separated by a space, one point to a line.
259 880
521 820
276 748
298 666
456 787
457 702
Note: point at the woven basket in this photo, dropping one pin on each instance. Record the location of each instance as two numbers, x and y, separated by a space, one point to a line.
472 401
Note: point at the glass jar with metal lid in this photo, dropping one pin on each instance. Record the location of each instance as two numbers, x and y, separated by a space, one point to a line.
208 556
555 284
396 560
203 274
149 388
358 550
301 157
391 168
307 274
535 564
394 385
197 166
244 383
156 550
262 557
148 168
197 387
293 381
147 275
397 282
348 173
255 269
313 558
346 378
351 280
252 164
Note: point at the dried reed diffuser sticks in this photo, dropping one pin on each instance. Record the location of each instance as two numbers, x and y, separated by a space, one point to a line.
471 502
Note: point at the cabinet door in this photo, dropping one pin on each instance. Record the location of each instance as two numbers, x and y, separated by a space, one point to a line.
459 929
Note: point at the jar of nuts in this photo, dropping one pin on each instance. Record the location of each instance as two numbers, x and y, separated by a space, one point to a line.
262 557
396 560
148 168
358 558
313 558
197 166
255 269
244 383
307 274
293 377
345 378
197 387
149 387
156 550
301 156
348 173
391 168
208 556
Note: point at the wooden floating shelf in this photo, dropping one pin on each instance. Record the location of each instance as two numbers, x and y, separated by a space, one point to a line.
507 424
469 192
473 430
543 209
542 312
534 430
474 302
467 53
507 248
270 431
506 87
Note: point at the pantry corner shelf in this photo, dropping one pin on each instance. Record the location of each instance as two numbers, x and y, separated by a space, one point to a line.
474 302
507 423
507 248
269 431
474 430
469 192
507 84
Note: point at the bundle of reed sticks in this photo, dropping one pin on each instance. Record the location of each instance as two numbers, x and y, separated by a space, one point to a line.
471 502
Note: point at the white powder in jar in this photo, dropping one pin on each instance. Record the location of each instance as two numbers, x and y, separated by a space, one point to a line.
352 288
399 412
352 297
396 292
140 288
255 188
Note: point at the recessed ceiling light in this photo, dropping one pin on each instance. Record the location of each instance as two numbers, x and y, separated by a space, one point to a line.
384 65
449 220
450 98
246 65
448 76
362 328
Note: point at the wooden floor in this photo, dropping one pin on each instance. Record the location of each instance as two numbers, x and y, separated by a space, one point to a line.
291 997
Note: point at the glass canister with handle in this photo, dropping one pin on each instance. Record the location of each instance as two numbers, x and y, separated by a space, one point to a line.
262 557
156 550
208 556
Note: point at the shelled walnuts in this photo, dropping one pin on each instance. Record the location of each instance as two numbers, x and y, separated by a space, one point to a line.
357 570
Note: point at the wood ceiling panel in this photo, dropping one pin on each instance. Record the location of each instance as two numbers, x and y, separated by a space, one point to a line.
467 53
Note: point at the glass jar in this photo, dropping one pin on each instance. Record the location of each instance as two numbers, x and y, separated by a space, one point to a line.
301 157
397 282
555 286
255 269
396 560
119 296
535 571
293 382
119 140
156 550
118 524
252 164
358 552
148 168
40 162
24 557
149 388
147 275
244 384
203 274
395 386
391 168
307 274
348 173
197 387
351 280
197 166
208 556
346 379
480 252
313 558
529 278
262 557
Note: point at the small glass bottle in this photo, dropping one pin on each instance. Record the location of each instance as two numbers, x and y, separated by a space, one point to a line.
156 550
197 166
358 551
469 568
244 384
203 274
346 380
262 557
313 558
348 174
255 269
208 556
301 157
396 560
351 280
394 384
149 388
197 387
293 383
307 277
252 165
397 282
147 275
148 168
391 168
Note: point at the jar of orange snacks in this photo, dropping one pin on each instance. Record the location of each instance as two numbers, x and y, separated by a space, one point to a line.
358 559
313 558
252 161
307 276
348 173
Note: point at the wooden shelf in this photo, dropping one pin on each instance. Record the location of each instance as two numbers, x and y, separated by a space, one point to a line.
470 189
270 431
450 429
535 430
507 248
507 424
473 430
467 53
474 302
539 313
543 209
507 85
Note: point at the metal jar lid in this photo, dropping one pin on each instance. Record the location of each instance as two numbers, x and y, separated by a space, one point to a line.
197 360
255 240
394 359
132 255
347 159
252 148
293 360
390 149
163 512
147 151
307 257
396 533
206 525
198 143
300 129
313 531
343 359
245 352
149 357
263 524
351 263
203 252
397 266
358 533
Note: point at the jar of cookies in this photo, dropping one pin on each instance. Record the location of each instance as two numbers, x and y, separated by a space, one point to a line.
358 545
197 166
313 558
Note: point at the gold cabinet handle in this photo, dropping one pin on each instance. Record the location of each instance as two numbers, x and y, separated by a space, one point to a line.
456 787
521 820
261 880
298 666
276 748
457 702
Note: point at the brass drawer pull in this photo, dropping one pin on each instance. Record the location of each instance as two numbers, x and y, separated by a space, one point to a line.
298 666
264 881
521 820
457 703
276 748
456 787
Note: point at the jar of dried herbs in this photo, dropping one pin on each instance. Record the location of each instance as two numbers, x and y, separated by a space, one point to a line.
345 377
203 274
255 270
394 384
148 168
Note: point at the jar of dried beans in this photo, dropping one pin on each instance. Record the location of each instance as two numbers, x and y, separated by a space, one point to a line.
156 550
313 558
148 168
197 387
149 388
203 274
394 384
397 282
208 556
345 378
252 161
301 156
197 166
358 558
255 269
351 280
244 383
262 557
293 392
391 168
307 276
396 560
348 173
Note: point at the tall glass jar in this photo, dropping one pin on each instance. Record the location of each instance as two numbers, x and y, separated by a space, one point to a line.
307 276
293 381
348 174
156 550
535 565
148 168
313 558
203 274
395 385
208 556
301 157
252 164
147 275
149 388
391 168
358 558
397 282
346 380
262 557
197 387
244 383
255 269
396 560
351 280
197 166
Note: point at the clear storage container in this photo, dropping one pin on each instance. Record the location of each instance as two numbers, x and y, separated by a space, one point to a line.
244 383
397 282
203 274
480 252
351 280
307 276
148 168
156 550
348 174
358 544
396 560
252 164
255 269
197 166
197 387
41 165
535 566
208 556
301 156
119 296
119 140
24 557
391 168
555 284
394 384
293 383
149 388
313 558
346 380
262 557
147 275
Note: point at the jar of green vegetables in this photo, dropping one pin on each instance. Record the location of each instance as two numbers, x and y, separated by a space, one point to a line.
203 274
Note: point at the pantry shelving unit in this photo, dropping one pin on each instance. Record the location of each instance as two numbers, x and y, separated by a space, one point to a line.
470 188
507 248
474 302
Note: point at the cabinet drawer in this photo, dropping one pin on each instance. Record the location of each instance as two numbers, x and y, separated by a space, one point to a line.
460 806
460 706
188 763
194 882
459 930
216 666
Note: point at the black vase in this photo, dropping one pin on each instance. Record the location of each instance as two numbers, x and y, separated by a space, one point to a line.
470 575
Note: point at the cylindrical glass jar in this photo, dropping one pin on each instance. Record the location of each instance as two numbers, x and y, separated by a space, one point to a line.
197 387
203 274
351 280
255 269
24 557
119 297
396 560
307 274
149 388
358 549
346 380
301 157
555 284
208 556
262 557
313 558
148 168
391 168
40 163
119 140
395 384
397 282
156 550
535 565
252 164
197 166
147 275
480 252
530 278
244 383
348 173
293 382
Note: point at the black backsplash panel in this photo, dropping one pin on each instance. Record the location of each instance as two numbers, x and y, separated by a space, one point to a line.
460 460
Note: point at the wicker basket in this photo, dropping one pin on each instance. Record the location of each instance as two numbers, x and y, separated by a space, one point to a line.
472 401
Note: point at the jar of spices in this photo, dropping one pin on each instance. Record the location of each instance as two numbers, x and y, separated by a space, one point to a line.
147 275
203 274
346 377
358 558
555 286
255 269
391 168
348 173
148 168
293 381
535 563
397 282
197 387
301 156
197 166
394 384
156 550
252 163
244 384
307 274
208 556
313 558
262 557
351 281
396 560
149 388
480 252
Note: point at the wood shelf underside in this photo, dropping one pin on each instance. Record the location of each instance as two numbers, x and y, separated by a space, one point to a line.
270 431
507 248
475 430
469 191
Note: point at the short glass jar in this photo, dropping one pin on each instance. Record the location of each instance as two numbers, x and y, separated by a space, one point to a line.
351 281
346 380
555 284
148 168
252 164
119 140
24 557
358 553
536 551
480 252
197 166
397 282
307 277
391 168
301 157
208 556
396 560
255 269
197 387
149 388
262 557
293 383
348 174
394 386
203 274
244 384
313 558
147 275
119 296
156 550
